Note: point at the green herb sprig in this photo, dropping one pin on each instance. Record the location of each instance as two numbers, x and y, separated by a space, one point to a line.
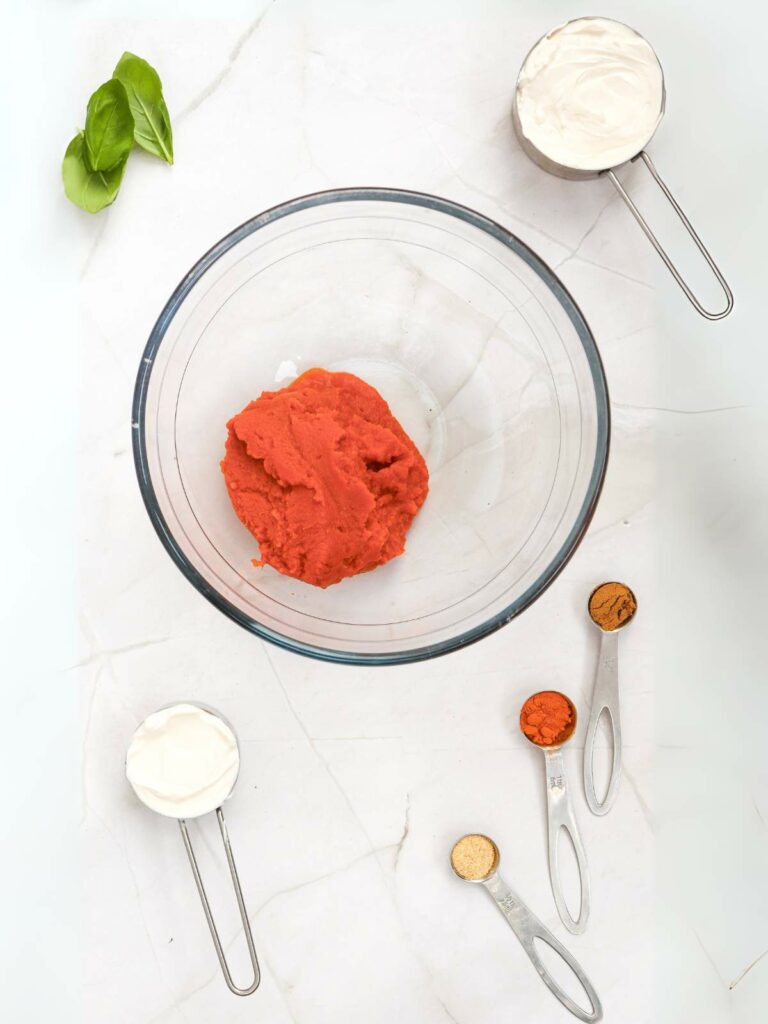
128 109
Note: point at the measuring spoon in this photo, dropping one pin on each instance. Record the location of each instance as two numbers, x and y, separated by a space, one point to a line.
611 606
475 858
560 815
145 797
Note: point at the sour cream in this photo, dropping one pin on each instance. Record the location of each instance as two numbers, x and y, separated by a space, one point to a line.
183 761
590 94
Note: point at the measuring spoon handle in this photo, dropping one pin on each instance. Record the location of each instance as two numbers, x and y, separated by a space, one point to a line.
528 927
604 698
561 816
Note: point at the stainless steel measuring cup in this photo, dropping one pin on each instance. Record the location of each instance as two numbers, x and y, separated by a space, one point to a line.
232 870
578 174
475 858
560 815
605 696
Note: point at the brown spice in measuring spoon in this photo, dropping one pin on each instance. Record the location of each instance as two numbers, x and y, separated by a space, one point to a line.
611 605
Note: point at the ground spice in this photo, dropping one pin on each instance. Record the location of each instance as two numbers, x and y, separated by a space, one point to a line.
474 858
611 605
548 718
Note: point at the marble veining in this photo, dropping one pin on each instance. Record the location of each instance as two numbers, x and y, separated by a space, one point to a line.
356 782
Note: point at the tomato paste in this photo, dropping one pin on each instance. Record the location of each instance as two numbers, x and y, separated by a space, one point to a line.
324 477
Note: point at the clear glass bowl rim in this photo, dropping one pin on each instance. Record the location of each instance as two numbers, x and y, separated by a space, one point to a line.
469 216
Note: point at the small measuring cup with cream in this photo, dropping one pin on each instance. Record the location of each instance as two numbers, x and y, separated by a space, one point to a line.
589 97
548 719
183 762
475 858
611 606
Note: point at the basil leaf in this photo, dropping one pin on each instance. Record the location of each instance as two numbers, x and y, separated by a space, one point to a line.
150 114
108 127
90 190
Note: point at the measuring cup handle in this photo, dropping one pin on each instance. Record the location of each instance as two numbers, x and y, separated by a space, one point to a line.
658 247
528 927
240 904
560 816
604 698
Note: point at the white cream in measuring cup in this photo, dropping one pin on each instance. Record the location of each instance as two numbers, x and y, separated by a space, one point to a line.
589 97
183 761
590 94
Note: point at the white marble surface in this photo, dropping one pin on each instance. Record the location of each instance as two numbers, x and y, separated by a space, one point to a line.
355 782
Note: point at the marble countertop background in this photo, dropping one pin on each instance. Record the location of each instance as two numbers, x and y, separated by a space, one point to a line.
355 782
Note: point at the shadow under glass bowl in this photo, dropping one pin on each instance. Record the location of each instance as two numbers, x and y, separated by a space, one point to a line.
481 354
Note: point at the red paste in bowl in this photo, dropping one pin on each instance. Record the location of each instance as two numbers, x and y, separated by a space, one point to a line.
324 477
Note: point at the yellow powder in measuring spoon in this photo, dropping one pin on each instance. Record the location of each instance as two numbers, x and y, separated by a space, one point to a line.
474 858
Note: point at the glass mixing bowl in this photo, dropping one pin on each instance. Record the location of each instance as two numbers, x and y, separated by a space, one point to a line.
480 352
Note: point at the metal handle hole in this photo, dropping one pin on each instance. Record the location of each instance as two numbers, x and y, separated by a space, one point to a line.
568 872
221 952
602 753
709 314
563 975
